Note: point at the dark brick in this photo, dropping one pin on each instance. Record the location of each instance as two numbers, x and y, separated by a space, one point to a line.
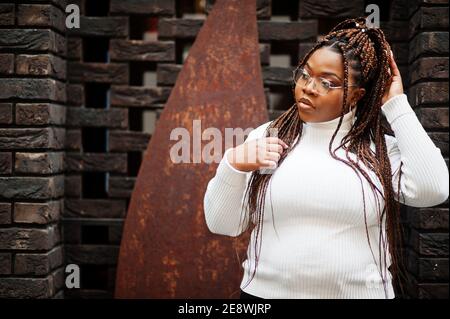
429 244
116 27
428 269
92 254
7 14
45 64
277 76
75 94
179 28
428 43
37 213
332 8
26 288
5 163
167 73
137 50
28 238
287 31
6 116
121 187
434 118
112 117
98 72
74 48
72 186
430 218
95 208
47 89
40 114
7 63
38 264
154 7
122 95
32 39
39 163
395 31
29 138
303 49
5 261
128 141
31 187
429 93
429 68
98 162
5 213
41 16
73 140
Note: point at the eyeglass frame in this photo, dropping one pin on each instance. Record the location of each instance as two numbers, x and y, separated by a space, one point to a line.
313 77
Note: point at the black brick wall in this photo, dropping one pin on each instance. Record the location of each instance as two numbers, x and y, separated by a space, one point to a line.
77 109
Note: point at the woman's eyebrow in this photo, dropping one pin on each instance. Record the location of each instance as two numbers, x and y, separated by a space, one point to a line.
326 73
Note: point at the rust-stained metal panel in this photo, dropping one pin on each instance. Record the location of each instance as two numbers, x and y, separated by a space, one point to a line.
167 250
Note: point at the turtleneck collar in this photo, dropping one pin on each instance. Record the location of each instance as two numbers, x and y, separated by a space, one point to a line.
320 133
331 124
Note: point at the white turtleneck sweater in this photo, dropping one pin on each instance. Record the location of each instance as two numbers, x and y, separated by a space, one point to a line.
314 242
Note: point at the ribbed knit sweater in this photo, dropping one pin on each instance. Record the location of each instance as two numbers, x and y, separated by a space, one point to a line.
314 240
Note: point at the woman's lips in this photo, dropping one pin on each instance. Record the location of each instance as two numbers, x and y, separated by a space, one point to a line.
306 104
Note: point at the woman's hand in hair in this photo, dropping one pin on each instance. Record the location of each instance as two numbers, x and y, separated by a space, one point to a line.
257 153
395 85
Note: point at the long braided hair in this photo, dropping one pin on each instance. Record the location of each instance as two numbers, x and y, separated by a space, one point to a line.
367 51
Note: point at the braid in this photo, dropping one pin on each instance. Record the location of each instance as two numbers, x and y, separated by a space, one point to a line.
367 51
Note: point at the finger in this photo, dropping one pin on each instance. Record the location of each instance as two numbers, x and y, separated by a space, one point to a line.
273 156
393 65
275 148
269 164
276 140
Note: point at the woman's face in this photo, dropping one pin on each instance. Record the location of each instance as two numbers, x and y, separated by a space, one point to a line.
329 65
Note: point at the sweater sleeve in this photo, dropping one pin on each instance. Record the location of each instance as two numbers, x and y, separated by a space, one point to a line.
425 178
224 196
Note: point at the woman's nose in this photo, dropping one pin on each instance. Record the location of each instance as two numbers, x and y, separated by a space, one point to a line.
308 88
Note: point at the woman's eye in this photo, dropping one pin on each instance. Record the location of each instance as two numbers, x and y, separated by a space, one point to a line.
305 75
326 84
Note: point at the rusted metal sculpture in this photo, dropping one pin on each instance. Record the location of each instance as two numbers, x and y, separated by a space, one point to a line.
167 250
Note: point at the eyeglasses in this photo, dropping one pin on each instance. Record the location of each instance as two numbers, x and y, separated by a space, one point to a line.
320 85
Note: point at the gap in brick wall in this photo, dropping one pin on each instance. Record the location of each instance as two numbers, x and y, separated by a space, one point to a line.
96 49
94 276
96 95
94 234
134 162
93 184
135 119
284 53
143 28
182 47
143 73
93 139
96 8
149 119
280 98
284 10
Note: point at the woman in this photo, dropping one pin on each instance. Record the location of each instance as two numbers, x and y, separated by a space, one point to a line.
337 179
